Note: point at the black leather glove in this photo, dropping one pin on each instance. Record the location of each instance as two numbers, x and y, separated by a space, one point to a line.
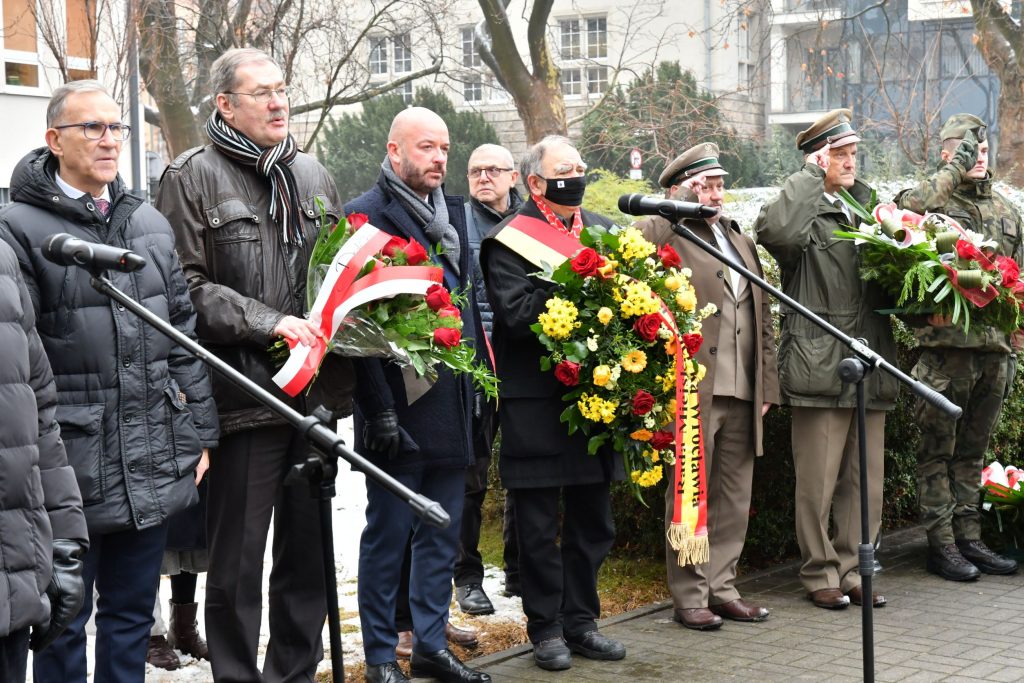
966 155
66 592
479 399
380 433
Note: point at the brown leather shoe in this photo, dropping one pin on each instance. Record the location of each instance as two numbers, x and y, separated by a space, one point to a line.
404 648
461 636
740 610
857 597
697 618
160 654
829 598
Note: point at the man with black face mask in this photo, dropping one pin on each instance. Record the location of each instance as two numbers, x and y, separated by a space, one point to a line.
540 465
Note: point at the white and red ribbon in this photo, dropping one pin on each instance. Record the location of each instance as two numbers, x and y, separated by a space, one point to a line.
341 292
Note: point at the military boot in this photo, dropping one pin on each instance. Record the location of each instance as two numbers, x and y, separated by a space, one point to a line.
947 562
982 557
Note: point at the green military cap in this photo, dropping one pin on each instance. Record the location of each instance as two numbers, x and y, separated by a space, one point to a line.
702 158
958 124
832 129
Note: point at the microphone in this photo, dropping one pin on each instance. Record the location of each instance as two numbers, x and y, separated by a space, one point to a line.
640 205
66 250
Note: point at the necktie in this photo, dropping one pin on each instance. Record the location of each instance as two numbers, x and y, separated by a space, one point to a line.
103 205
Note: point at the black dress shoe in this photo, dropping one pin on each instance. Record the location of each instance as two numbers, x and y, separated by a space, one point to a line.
444 666
472 600
552 654
388 672
947 562
982 557
595 645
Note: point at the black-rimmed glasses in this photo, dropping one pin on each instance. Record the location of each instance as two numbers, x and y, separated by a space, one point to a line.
491 171
94 130
264 96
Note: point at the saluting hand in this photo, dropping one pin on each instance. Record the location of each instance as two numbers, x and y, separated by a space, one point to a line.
820 157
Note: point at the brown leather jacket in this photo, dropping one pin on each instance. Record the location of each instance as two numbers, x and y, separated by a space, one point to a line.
243 278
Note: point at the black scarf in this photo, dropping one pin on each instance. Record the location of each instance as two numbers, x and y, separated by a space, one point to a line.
273 162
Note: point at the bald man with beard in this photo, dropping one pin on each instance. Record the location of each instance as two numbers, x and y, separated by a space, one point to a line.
421 439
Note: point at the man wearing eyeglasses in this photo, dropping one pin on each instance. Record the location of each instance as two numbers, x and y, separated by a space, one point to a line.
136 411
246 212
493 197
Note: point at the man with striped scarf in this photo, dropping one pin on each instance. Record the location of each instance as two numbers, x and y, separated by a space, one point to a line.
246 213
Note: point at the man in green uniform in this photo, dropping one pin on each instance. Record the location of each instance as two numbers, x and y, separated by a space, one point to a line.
821 272
974 370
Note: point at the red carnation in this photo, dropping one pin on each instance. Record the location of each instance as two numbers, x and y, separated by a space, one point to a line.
669 257
1009 269
449 312
642 402
437 297
568 373
647 326
662 440
357 220
447 337
394 245
586 262
415 253
692 342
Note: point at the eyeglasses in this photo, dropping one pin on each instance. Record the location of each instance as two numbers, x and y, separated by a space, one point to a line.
94 130
491 171
264 96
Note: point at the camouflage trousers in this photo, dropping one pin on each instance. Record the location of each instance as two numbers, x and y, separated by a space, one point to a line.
952 452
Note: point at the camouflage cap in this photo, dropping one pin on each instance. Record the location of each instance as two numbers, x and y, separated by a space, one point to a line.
702 158
832 129
958 124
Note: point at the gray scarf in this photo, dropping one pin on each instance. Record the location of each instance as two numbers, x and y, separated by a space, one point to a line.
433 219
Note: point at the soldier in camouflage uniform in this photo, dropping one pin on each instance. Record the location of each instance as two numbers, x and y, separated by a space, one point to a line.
973 370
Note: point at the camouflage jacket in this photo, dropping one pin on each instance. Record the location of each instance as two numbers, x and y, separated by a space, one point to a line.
976 206
823 273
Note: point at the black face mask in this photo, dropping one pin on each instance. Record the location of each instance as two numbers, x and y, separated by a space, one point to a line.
565 191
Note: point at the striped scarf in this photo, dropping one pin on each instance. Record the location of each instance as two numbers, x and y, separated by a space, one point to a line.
274 163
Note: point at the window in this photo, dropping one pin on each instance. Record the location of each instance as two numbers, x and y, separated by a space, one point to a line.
597 80
406 92
571 84
403 53
378 55
18 28
470 55
5 195
570 31
744 60
81 28
597 38
473 90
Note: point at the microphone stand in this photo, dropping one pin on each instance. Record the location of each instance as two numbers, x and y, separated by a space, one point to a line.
320 468
851 370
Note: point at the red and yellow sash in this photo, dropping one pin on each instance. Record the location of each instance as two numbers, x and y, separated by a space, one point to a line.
545 247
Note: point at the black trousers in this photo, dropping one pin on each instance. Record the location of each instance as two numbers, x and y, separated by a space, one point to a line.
559 581
511 552
246 478
469 567
14 656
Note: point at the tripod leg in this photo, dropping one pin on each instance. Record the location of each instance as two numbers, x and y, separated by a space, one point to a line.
326 493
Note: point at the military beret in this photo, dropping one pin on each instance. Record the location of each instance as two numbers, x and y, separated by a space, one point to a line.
832 129
702 158
958 124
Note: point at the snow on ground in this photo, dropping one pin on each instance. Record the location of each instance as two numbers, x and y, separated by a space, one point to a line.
348 520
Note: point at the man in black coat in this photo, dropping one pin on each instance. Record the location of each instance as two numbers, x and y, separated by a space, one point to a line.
541 465
424 441
135 409
42 528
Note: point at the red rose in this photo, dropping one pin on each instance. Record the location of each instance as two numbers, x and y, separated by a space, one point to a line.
669 257
447 337
568 373
1009 269
437 297
662 440
969 252
586 262
415 253
395 244
647 326
692 342
449 312
642 402
357 220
